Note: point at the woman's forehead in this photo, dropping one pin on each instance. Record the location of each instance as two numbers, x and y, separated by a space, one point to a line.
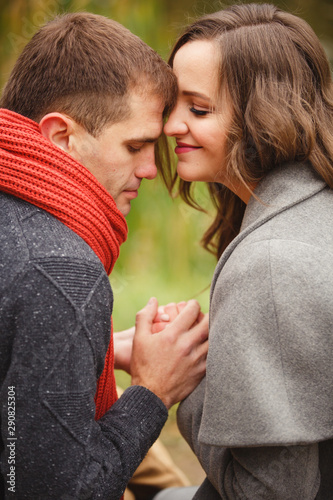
196 66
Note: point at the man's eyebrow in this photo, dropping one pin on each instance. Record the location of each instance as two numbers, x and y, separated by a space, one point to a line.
143 139
195 94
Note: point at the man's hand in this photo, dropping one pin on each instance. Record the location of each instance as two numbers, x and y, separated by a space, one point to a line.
123 343
123 340
172 362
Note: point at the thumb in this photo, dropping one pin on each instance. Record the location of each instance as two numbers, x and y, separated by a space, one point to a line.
144 318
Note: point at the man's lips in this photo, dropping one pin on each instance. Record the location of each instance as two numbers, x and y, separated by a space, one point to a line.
182 147
131 192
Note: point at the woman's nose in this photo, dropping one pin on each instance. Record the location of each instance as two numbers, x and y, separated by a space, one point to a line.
176 124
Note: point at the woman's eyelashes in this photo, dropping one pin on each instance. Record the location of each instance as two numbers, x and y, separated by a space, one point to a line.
199 112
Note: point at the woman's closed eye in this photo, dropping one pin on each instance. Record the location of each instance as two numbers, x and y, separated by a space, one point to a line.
199 112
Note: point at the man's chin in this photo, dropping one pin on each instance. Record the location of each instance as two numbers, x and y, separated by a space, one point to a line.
125 208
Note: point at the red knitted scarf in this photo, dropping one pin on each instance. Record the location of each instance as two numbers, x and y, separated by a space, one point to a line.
33 169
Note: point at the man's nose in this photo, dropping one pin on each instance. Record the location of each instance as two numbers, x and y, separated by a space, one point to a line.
147 168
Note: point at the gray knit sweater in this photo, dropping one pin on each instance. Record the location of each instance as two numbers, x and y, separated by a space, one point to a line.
55 308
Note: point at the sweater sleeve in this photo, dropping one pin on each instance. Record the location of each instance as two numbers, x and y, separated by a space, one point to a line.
56 321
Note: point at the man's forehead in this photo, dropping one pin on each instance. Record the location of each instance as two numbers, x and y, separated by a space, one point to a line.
145 120
143 93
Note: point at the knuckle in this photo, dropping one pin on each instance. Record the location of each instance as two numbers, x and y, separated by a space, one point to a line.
140 314
186 346
203 333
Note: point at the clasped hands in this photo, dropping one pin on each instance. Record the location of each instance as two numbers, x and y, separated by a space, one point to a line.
166 350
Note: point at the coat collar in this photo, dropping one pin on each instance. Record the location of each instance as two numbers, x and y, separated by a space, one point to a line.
280 189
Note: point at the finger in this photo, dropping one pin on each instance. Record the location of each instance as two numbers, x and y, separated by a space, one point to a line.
167 313
161 321
144 318
161 316
181 305
203 326
171 310
199 332
186 317
201 316
202 350
159 326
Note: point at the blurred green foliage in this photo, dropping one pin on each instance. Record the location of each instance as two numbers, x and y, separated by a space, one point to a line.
162 256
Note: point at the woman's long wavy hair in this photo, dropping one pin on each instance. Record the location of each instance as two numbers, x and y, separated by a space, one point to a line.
278 79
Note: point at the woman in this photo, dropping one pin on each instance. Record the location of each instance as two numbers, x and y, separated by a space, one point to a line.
254 119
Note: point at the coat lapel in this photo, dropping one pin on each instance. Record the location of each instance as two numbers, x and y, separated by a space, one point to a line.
277 192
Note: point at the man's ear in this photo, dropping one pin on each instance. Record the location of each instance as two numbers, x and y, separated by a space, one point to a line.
57 128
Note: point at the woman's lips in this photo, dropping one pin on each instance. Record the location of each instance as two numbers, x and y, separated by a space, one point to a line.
185 148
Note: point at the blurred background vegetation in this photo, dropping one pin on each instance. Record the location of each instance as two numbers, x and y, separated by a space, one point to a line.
162 256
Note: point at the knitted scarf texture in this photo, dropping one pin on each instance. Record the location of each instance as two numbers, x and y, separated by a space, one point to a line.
35 170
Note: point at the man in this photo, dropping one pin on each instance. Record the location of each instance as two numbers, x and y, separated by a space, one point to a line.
82 112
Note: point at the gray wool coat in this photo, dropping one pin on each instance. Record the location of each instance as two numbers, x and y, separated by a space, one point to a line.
261 422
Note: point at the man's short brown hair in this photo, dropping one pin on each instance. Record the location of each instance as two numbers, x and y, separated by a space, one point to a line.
84 65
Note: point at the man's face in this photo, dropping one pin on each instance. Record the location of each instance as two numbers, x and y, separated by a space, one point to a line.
123 153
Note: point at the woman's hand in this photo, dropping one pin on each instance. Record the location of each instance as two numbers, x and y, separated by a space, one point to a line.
123 344
166 314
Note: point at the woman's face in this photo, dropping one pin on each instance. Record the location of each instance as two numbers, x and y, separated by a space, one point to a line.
199 123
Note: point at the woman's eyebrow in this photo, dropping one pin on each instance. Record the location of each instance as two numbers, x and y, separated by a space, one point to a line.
195 94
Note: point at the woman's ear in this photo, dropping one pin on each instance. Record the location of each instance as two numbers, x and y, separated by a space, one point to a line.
57 128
